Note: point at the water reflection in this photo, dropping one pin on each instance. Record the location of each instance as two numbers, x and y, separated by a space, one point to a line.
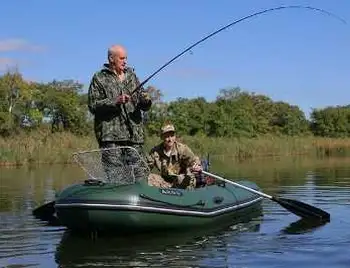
25 188
181 249
286 171
303 226
276 237
204 248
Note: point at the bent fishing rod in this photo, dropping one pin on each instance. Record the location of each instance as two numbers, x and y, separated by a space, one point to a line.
232 24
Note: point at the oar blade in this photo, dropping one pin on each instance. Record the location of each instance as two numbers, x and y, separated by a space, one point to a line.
302 209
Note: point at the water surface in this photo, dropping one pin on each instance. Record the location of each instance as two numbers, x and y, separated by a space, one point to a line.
276 239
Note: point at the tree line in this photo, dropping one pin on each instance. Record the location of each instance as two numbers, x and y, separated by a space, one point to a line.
234 112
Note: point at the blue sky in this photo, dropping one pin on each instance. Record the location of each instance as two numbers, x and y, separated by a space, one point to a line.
298 56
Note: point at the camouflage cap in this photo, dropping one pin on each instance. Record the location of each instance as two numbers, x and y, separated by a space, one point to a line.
167 128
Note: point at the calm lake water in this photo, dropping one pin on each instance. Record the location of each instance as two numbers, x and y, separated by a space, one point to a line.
276 239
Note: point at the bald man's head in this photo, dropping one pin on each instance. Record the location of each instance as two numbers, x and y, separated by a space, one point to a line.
117 57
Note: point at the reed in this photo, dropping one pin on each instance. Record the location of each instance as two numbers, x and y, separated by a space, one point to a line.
246 148
42 146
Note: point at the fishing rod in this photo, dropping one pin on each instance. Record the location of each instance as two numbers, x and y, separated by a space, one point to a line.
231 24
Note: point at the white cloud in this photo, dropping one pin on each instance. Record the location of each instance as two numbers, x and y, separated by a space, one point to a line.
19 45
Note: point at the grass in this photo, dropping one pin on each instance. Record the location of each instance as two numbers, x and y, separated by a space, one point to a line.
44 147
245 148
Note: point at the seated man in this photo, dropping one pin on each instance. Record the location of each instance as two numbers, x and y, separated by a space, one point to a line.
175 161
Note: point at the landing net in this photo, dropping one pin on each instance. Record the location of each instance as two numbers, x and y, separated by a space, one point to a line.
119 165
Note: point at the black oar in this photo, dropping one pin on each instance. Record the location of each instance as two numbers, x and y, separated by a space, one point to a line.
45 212
299 208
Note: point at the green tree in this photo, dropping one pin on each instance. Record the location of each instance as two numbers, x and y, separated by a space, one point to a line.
331 121
288 119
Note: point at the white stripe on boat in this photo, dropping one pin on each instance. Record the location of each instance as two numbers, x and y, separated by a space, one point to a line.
157 209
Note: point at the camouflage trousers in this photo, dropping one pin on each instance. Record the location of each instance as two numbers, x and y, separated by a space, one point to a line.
123 165
157 181
185 181
181 181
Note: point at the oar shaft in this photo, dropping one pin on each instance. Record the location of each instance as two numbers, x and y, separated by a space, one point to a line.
299 208
237 184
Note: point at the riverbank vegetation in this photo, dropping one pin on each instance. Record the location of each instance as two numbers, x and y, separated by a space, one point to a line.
47 122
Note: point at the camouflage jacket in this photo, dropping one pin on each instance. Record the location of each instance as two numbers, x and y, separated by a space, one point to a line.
117 122
180 160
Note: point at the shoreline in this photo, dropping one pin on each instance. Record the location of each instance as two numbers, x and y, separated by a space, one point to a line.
46 148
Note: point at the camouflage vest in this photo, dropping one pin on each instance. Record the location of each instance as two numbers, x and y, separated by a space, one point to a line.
117 122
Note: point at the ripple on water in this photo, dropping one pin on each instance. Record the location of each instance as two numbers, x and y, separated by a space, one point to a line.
24 243
278 239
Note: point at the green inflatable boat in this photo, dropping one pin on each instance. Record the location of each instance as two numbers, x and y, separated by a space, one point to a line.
140 207
125 202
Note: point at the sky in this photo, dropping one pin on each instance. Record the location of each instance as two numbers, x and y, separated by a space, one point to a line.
294 55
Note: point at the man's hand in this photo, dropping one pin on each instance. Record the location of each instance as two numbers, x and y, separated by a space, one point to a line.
123 98
196 168
145 96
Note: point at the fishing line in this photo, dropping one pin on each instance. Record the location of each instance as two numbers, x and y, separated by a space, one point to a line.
231 24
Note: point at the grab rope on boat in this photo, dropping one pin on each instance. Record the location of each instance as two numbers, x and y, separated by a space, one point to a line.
199 203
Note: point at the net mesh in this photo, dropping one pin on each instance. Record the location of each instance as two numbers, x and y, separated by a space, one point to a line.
119 165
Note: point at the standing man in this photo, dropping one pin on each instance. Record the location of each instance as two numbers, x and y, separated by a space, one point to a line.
118 112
